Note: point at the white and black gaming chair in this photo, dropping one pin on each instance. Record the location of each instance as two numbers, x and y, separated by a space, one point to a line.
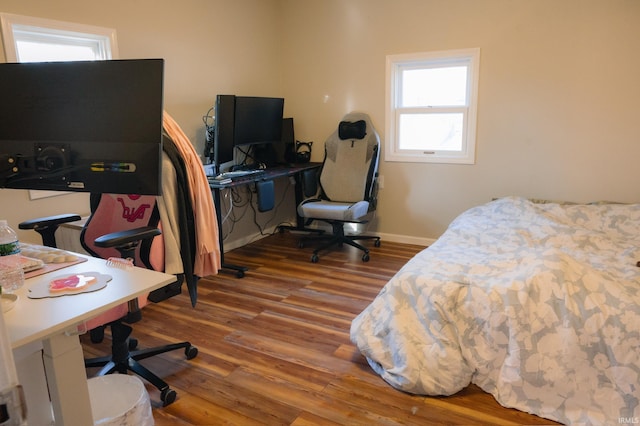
347 184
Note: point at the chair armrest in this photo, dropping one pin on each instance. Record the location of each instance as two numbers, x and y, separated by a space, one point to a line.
373 194
124 238
47 226
126 242
48 221
310 182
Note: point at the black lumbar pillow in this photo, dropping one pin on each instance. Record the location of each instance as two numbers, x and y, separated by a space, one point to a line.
352 130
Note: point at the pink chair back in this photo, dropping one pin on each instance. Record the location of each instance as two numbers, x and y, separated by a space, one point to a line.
118 212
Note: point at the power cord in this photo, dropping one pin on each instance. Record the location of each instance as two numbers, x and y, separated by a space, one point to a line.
238 205
261 228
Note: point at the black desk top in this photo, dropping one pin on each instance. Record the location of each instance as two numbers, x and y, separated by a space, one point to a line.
269 173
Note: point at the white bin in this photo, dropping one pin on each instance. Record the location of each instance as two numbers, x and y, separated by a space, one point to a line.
119 399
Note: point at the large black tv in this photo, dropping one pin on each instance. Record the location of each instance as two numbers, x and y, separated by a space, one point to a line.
90 126
245 121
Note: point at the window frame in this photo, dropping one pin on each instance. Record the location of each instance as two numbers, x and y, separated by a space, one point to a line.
395 65
43 29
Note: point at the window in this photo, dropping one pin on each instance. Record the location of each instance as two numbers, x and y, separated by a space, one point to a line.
431 106
28 39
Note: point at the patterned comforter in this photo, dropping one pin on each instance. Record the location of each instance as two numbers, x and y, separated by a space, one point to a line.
536 303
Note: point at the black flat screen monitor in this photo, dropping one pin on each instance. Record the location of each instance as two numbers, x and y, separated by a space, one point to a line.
223 132
92 126
258 120
245 120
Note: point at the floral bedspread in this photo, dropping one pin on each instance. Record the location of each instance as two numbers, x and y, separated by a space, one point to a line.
536 303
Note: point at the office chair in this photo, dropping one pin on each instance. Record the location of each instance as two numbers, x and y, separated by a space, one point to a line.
347 184
138 235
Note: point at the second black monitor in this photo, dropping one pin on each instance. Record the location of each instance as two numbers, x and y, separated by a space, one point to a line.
246 120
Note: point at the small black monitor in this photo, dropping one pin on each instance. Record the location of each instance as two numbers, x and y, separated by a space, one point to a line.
90 126
258 120
246 121
287 148
223 131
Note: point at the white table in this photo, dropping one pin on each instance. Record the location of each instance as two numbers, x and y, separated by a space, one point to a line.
54 322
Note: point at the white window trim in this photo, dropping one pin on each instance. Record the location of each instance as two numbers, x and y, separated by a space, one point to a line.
393 64
12 24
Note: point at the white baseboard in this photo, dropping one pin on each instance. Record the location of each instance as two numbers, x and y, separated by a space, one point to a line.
395 238
234 244
406 239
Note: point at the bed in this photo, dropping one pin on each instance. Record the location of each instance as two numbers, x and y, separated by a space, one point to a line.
536 303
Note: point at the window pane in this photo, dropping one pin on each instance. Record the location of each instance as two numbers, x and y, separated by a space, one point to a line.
431 132
31 51
434 87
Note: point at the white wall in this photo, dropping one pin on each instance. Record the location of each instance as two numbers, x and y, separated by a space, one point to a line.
558 96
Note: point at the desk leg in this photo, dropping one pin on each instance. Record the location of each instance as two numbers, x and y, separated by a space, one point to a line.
32 377
239 270
67 379
299 197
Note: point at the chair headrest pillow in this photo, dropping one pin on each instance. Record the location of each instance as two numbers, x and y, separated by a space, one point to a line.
352 130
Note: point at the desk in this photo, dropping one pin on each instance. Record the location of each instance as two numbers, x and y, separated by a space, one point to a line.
54 321
296 170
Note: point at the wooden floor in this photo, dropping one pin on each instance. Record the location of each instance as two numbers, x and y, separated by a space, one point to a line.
274 347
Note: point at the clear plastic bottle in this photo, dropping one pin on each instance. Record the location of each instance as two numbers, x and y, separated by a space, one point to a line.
11 273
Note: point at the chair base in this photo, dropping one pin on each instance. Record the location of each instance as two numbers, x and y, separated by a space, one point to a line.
338 238
122 359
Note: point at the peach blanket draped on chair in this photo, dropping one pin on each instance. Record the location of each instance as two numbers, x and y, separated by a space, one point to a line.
207 260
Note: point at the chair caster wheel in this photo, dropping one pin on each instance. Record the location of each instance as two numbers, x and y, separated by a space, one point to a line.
314 258
191 352
167 396
365 257
240 274
133 344
97 334
377 243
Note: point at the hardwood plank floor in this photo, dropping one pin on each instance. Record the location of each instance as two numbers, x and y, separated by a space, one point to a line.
274 347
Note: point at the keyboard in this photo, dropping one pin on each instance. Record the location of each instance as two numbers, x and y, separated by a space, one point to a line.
243 173
237 175
35 257
46 254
